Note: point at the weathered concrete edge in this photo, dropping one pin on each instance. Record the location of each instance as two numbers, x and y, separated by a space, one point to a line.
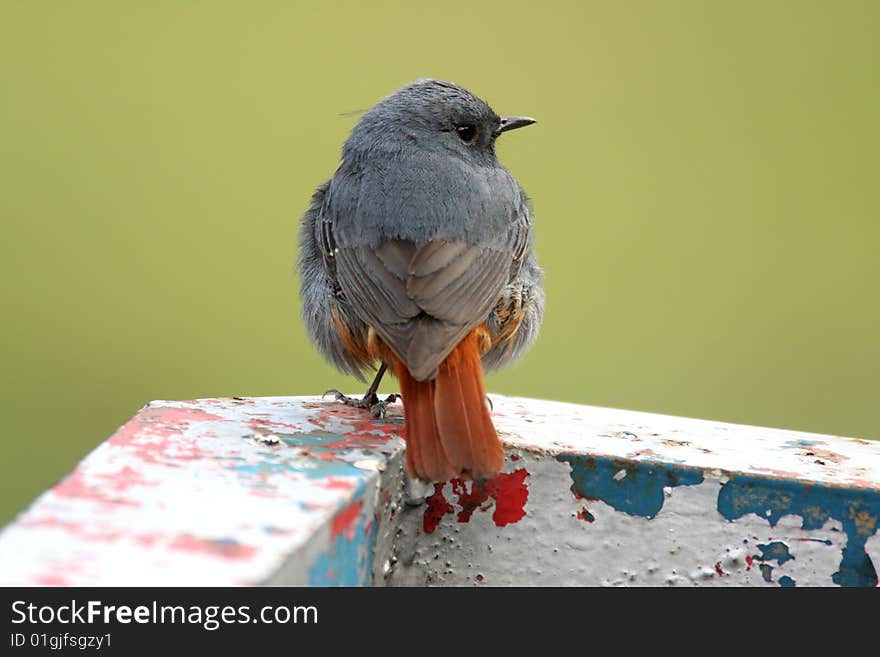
636 488
104 513
597 521
362 557
363 531
370 556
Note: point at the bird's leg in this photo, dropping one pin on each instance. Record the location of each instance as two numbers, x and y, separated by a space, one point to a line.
370 400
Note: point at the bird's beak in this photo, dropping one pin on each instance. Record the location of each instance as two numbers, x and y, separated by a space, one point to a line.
514 122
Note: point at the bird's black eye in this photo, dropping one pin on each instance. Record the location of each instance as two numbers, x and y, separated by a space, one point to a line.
466 133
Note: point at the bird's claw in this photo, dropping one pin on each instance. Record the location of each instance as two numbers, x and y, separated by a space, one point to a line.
378 408
338 396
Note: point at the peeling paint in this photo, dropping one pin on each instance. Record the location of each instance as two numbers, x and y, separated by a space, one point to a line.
776 550
436 507
348 560
772 499
585 515
507 493
344 521
179 493
298 491
638 491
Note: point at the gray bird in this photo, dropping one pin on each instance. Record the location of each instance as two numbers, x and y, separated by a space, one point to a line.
418 254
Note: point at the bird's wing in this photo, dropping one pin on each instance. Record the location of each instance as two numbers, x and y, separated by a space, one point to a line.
422 300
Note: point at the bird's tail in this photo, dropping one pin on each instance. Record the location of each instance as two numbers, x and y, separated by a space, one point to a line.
449 432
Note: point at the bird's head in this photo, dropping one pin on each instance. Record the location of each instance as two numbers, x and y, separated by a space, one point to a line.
433 116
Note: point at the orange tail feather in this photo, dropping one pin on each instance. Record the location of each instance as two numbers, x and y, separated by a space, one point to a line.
448 426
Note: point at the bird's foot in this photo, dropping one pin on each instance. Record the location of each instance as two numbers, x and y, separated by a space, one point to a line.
380 408
377 407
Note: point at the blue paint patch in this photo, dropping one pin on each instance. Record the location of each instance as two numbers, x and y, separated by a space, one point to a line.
776 550
263 468
639 492
801 443
858 511
313 468
318 456
314 439
347 562
255 473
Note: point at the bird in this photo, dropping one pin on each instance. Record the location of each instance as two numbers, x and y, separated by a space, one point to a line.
418 256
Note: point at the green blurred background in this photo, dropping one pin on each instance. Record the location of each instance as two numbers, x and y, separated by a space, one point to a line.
704 175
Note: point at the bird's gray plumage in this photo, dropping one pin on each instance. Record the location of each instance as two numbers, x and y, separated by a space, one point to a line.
421 235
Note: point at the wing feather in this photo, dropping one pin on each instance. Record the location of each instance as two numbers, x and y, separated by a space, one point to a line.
422 300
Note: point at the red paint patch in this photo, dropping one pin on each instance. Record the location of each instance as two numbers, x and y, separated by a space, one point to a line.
122 480
749 562
469 501
258 425
102 487
160 421
228 549
511 494
436 507
147 540
155 434
336 483
74 485
345 521
718 569
364 432
85 532
508 490
585 515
